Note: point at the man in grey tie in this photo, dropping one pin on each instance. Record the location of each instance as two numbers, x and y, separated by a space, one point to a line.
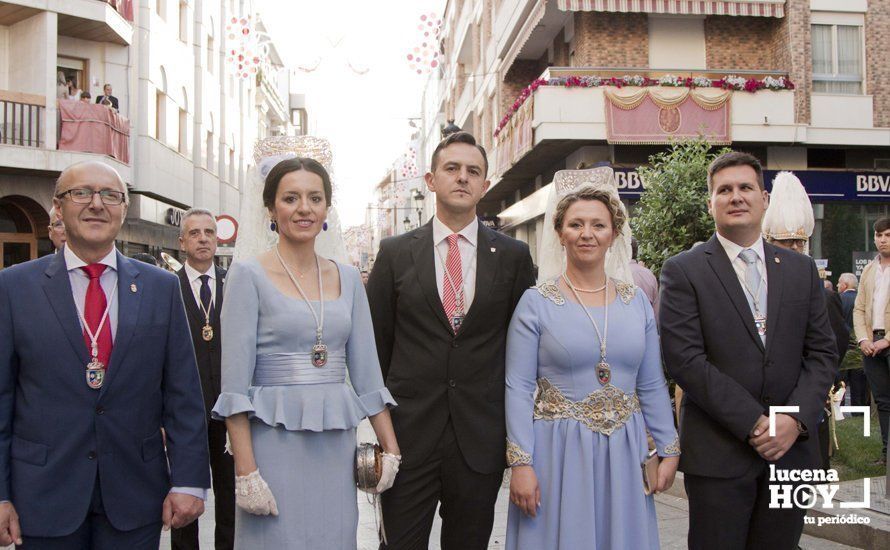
744 328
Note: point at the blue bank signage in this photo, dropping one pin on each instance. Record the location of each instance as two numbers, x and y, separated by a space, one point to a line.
821 185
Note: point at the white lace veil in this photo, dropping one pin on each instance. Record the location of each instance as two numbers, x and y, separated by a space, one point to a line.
551 256
254 234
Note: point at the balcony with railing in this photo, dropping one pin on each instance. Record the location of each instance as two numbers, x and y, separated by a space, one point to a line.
33 140
570 107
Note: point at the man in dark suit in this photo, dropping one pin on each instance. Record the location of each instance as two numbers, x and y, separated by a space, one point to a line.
744 328
202 291
857 384
441 299
95 360
106 95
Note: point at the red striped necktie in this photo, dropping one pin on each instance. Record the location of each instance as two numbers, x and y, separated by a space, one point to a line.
93 310
450 299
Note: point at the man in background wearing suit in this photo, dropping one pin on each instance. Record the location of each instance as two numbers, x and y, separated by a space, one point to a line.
106 95
441 300
202 291
95 360
744 327
857 384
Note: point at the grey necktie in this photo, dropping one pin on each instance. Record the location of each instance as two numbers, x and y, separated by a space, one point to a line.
754 286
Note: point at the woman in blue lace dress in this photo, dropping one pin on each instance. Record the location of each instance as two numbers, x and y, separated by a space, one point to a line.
294 326
584 382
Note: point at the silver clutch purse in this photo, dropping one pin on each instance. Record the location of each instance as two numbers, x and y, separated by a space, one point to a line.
368 466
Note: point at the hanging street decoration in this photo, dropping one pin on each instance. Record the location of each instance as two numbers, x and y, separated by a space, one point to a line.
408 165
248 49
424 56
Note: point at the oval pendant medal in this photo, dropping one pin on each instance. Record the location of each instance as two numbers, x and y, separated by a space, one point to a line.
95 374
319 354
603 373
207 333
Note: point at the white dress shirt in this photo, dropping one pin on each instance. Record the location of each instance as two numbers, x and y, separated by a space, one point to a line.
80 281
881 292
738 264
194 277
467 246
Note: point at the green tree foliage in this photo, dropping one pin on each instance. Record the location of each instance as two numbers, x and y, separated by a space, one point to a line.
672 214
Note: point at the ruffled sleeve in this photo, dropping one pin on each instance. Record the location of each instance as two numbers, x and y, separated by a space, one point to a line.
523 338
239 319
652 389
361 351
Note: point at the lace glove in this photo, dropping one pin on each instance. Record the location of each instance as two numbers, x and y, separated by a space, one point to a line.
388 475
252 495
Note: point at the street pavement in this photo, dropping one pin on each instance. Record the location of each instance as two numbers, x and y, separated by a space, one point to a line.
673 517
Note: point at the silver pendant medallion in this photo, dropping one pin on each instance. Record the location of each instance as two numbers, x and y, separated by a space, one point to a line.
319 355
603 373
760 325
456 322
95 374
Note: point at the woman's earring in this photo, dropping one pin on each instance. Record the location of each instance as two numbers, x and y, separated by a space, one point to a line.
273 226
324 226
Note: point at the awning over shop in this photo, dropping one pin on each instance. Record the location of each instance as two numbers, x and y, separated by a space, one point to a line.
756 8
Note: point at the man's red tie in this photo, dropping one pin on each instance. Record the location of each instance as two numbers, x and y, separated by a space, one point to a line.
450 299
94 308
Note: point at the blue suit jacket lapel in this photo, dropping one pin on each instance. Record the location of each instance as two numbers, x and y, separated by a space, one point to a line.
128 303
57 287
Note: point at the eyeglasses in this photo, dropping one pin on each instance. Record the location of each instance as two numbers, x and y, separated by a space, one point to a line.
85 196
58 225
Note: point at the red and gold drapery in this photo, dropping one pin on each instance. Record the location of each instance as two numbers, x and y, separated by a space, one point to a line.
660 115
751 8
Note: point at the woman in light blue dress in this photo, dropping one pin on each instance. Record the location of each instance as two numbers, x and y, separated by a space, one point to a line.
289 410
577 414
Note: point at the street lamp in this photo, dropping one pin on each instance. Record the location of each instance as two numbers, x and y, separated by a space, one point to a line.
418 198
407 223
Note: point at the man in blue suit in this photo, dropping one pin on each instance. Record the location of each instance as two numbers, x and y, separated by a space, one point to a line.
95 359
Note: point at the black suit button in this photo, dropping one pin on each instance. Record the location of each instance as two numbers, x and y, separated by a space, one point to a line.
766 399
452 383
455 344
100 410
91 455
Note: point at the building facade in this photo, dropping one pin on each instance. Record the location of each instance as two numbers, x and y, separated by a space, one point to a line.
548 85
187 118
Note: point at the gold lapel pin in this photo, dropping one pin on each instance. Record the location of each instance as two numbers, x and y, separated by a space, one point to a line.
133 287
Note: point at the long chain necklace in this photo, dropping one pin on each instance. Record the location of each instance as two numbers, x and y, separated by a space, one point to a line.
603 370
95 370
207 329
319 350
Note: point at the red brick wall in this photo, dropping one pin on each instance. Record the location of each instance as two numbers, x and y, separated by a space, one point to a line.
877 69
611 40
741 43
793 53
520 75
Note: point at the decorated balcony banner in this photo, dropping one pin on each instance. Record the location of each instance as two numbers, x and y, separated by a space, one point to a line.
659 115
517 137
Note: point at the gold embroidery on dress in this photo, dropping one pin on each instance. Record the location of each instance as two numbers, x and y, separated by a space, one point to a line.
625 291
674 448
550 290
603 411
516 456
